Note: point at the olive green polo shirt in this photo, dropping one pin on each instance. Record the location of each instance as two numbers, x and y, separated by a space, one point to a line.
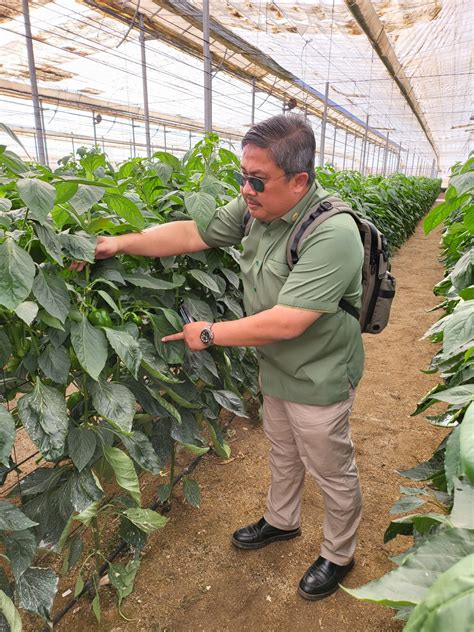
320 365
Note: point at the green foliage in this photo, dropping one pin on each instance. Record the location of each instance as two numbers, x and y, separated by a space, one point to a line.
103 397
394 204
433 585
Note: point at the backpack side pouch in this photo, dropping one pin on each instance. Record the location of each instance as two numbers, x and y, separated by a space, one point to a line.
383 304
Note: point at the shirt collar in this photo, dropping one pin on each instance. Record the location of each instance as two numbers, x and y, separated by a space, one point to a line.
314 195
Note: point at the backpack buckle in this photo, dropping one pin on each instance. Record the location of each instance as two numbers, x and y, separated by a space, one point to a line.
325 206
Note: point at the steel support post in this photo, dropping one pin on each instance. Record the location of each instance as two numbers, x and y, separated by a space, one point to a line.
207 68
362 156
45 140
72 143
164 137
252 116
323 126
354 153
364 146
334 144
146 110
93 126
133 139
39 130
345 152
412 164
433 168
373 159
397 168
384 172
379 147
418 166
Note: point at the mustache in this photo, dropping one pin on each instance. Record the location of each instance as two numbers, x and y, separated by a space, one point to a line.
251 199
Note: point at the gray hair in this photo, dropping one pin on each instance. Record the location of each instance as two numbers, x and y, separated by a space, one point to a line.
289 140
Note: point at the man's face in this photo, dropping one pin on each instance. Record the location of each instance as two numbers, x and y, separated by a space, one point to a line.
280 193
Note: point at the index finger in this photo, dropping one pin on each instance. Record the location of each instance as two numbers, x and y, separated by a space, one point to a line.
77 265
172 337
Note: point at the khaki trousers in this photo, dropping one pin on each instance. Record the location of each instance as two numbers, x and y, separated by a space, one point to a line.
316 439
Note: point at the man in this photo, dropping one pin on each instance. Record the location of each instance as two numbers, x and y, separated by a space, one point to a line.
310 351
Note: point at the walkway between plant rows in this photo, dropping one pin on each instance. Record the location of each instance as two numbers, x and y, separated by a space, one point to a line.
191 578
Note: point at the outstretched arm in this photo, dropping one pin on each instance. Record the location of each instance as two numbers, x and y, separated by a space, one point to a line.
174 238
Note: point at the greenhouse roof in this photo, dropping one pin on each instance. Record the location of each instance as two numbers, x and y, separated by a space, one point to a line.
403 69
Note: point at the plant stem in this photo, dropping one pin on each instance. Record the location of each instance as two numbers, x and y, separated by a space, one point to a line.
26 219
97 554
172 465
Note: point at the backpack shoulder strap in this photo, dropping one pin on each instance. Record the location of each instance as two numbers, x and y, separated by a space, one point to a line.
316 215
327 208
310 221
247 221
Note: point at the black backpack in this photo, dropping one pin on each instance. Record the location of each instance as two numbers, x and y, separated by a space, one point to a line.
378 285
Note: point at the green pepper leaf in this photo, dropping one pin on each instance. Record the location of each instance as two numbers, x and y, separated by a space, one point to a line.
17 271
90 346
7 435
52 294
11 614
38 196
114 402
124 471
43 413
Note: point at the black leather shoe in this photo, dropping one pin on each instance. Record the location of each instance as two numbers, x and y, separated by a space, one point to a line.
261 533
322 579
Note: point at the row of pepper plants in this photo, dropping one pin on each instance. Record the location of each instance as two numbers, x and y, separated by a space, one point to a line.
433 586
85 373
101 396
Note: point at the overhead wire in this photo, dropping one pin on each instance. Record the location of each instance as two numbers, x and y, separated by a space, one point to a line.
109 65
306 50
161 52
260 105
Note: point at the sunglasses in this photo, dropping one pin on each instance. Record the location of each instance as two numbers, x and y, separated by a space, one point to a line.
257 184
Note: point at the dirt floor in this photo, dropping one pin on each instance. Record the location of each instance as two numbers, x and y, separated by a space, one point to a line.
192 578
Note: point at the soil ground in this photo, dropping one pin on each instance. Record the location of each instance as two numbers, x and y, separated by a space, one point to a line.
191 577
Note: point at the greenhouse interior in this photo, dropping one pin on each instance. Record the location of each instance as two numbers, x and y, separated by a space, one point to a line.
148 209
387 86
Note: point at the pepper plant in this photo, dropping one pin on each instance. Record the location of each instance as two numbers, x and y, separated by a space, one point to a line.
84 370
432 587
395 204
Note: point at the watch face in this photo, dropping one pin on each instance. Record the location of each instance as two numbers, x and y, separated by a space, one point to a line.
206 336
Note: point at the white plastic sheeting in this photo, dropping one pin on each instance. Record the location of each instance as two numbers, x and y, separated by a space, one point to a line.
320 41
81 50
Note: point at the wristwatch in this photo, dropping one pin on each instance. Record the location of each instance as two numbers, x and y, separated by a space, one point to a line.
207 335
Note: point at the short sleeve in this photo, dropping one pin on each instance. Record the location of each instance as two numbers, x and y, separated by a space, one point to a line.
329 261
225 227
